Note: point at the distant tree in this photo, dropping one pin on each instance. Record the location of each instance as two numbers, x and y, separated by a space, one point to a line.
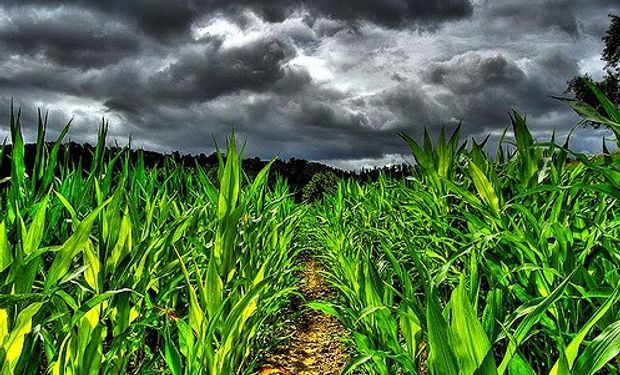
610 84
611 53
321 183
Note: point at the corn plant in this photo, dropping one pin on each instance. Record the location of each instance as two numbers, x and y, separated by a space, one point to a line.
109 267
477 264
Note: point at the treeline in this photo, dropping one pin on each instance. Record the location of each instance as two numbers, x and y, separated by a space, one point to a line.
297 172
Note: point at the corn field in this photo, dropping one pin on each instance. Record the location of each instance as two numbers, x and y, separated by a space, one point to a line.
475 264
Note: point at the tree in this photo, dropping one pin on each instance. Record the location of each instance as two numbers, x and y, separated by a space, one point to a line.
321 184
611 53
610 84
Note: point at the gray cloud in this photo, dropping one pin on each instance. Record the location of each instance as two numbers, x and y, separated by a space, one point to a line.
480 90
211 73
318 79
394 13
68 37
163 19
560 14
568 16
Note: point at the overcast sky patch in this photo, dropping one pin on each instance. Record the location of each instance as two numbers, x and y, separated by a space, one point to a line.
315 79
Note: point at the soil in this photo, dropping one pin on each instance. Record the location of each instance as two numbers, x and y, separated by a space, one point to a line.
316 346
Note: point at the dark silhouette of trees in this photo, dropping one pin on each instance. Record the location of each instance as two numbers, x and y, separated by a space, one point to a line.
611 53
297 172
307 180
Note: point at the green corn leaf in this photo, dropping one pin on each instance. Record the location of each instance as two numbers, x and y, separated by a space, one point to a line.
519 366
18 166
196 314
92 273
68 207
601 350
471 344
422 157
186 340
38 165
325 307
410 328
236 321
172 356
528 158
67 252
4 326
441 359
6 254
52 162
36 230
356 363
484 187
214 288
573 348
563 366
92 357
93 302
590 113
610 108
123 245
528 322
14 343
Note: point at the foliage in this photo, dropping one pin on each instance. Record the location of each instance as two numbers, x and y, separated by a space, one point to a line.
123 269
320 184
473 265
611 53
480 265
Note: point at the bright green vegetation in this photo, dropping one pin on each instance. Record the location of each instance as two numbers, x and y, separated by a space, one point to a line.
126 270
475 265
481 265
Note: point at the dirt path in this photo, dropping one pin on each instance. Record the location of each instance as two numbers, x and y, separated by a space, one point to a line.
315 347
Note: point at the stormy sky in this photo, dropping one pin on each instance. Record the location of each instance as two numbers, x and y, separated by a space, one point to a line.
332 81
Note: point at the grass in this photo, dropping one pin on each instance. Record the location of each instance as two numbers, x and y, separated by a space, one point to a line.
476 265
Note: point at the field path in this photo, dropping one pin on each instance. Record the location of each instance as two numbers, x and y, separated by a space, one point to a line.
316 346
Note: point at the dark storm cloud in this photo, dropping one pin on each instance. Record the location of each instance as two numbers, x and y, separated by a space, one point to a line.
71 38
204 75
344 133
165 19
162 19
201 73
560 14
208 72
318 79
564 15
480 90
392 13
411 106
473 73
